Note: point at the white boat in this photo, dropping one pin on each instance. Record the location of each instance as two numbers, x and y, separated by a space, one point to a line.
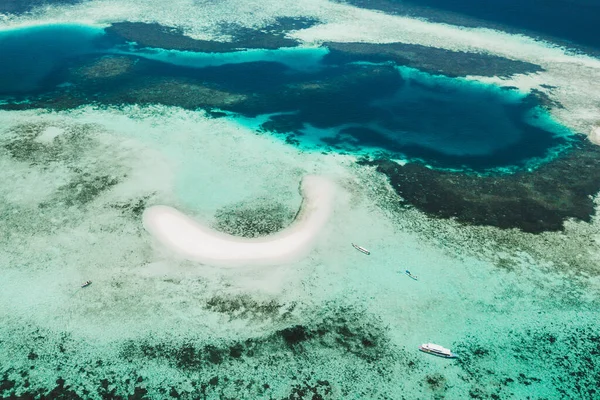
437 350
86 284
361 249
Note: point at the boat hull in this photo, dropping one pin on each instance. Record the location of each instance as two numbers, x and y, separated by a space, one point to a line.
435 353
411 276
361 249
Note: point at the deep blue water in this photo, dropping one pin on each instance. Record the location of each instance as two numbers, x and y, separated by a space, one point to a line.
30 55
447 123
360 108
576 21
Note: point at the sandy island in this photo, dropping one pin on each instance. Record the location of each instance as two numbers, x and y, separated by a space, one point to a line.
594 135
196 242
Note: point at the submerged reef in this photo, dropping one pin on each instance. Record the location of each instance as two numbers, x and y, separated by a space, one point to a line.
46 143
23 6
344 353
158 36
105 68
74 167
293 362
246 307
253 220
560 356
180 92
319 101
533 201
428 59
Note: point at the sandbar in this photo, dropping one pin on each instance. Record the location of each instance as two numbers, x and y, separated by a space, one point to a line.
194 241
594 135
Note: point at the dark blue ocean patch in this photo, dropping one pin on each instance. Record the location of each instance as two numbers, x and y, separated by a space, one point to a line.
355 107
440 121
34 57
31 54
573 20
569 23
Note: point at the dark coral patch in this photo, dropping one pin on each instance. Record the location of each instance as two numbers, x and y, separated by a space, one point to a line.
319 390
83 189
59 391
24 144
350 335
563 357
159 36
253 220
436 382
536 201
347 332
134 208
6 384
428 59
180 92
103 70
244 306
362 338
294 335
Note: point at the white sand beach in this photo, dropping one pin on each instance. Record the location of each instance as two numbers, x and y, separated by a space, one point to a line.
196 242
594 135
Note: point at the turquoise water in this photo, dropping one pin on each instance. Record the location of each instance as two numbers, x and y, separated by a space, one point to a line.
519 309
356 108
47 46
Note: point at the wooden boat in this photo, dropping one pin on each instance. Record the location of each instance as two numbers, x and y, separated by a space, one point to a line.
407 272
361 249
437 350
86 284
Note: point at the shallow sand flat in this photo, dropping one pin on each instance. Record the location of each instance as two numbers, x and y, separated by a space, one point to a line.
199 243
153 316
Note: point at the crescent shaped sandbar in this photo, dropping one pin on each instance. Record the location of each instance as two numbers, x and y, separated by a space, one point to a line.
194 241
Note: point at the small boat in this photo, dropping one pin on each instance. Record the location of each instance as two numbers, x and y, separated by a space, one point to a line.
437 350
86 284
407 272
361 249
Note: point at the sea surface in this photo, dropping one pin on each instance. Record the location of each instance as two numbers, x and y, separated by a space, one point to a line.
455 135
569 20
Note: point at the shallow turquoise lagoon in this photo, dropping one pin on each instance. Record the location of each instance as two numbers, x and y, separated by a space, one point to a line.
519 309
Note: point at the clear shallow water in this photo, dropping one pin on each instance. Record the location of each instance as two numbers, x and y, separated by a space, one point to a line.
337 325
348 321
